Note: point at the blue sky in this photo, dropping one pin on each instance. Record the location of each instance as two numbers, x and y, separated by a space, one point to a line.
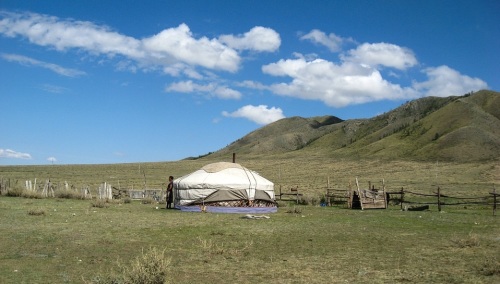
92 82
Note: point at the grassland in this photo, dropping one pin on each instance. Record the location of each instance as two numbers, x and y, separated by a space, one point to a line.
69 241
309 172
73 242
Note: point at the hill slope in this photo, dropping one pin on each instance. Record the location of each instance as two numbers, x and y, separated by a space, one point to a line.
465 128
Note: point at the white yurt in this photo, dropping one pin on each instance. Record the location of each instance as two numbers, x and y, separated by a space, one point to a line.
224 187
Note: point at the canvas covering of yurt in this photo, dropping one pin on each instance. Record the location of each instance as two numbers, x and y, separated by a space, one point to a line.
224 187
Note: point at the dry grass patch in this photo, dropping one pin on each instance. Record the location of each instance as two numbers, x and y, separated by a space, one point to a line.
151 267
490 266
36 212
471 240
100 203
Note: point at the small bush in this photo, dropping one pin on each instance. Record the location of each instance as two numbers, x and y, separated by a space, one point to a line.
472 240
304 201
149 268
294 210
31 194
68 194
489 267
100 203
315 201
15 192
127 200
36 212
281 204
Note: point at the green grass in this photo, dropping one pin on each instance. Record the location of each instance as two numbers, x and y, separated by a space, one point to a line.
76 242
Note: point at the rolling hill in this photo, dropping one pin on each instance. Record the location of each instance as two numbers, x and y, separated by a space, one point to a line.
458 129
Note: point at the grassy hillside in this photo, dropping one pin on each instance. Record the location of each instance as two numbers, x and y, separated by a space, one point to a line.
457 129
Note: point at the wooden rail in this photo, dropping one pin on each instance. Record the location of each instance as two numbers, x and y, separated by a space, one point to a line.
294 191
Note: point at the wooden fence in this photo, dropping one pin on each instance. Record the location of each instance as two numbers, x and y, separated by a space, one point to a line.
103 191
292 195
359 198
421 201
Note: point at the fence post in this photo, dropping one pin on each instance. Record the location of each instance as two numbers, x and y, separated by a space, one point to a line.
328 201
402 197
494 201
439 199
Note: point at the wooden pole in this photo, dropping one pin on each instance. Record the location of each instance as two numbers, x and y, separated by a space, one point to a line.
402 197
385 195
494 201
439 199
328 191
296 194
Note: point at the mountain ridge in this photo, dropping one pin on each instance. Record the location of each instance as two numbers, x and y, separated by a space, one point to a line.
458 128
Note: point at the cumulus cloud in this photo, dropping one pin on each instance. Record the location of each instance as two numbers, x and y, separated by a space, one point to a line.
8 153
52 159
168 47
331 41
382 54
27 61
64 34
258 39
357 78
210 90
259 114
178 45
336 85
444 81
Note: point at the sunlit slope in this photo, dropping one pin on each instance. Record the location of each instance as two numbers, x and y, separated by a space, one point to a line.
461 128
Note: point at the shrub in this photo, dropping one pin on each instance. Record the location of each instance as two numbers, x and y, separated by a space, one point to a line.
304 201
100 203
149 268
31 194
127 200
294 210
314 201
15 192
68 194
281 203
472 240
36 212
489 267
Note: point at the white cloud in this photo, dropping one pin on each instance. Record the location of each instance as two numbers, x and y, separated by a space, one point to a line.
357 78
27 61
382 54
335 85
64 34
211 89
52 159
444 81
257 39
259 114
179 69
178 45
168 47
7 153
332 41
